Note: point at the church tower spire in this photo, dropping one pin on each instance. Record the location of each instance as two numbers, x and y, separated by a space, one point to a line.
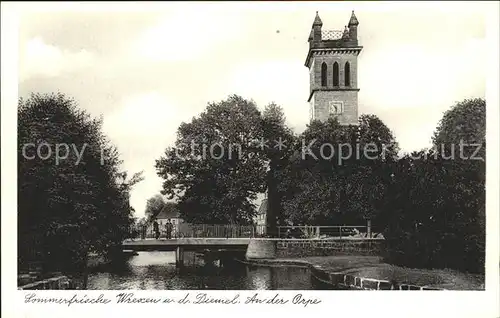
353 27
316 28
317 20
333 67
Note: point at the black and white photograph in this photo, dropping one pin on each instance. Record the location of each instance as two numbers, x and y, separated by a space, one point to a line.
253 146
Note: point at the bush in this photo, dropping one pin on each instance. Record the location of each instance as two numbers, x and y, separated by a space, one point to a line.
436 215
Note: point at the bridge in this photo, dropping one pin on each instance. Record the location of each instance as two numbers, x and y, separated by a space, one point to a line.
182 245
218 231
187 244
244 239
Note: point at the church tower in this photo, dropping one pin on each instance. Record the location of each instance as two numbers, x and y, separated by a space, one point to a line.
333 69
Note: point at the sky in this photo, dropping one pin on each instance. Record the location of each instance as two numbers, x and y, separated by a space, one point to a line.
147 69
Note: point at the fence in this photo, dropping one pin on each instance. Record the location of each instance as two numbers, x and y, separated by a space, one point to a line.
218 230
186 230
323 232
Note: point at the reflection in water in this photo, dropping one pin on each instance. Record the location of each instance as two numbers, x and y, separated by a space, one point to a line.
259 278
156 270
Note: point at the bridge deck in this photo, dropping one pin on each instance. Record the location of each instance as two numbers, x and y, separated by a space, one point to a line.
186 243
194 244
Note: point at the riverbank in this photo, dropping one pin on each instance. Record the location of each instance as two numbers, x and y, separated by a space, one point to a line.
370 272
35 279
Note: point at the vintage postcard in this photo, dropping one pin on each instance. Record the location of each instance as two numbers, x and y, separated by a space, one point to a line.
252 157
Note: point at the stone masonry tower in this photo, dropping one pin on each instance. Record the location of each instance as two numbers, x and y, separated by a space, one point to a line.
333 67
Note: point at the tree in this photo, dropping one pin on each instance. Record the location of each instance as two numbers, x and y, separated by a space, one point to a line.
462 132
153 206
280 140
73 198
140 228
465 121
332 180
436 202
215 169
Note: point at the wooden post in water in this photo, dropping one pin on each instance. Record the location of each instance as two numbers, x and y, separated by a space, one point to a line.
369 228
179 257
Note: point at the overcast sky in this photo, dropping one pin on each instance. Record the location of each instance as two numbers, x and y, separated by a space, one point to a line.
148 70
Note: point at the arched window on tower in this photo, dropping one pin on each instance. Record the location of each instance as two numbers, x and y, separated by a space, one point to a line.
323 74
335 74
347 74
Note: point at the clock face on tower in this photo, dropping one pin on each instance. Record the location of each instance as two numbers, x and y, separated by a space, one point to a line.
336 107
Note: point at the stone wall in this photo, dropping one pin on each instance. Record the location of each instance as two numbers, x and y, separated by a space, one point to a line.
351 282
343 280
303 248
54 283
261 249
288 248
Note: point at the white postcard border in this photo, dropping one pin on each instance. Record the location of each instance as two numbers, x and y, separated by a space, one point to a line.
334 303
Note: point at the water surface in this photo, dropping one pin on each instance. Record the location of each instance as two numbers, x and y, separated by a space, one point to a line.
156 270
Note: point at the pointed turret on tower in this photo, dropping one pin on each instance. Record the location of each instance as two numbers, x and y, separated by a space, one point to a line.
353 20
353 27
316 28
317 20
346 34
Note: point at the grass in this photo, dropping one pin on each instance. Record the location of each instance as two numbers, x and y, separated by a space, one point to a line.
440 278
374 267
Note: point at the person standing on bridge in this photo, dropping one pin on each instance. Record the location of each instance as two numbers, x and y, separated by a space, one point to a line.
169 227
156 228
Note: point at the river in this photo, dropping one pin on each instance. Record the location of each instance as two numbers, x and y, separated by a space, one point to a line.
157 271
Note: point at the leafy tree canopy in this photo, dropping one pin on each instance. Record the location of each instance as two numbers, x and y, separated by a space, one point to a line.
339 174
215 169
73 197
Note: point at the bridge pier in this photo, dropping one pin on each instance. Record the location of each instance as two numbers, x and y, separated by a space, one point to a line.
258 249
179 257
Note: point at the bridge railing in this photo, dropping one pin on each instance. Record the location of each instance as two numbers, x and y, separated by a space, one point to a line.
187 230
325 232
218 230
